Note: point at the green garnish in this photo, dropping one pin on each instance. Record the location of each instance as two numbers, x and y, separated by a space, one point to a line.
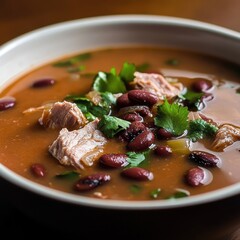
72 61
135 159
155 193
179 193
173 62
109 82
110 125
142 67
193 100
68 175
199 129
135 188
108 99
172 117
127 72
76 69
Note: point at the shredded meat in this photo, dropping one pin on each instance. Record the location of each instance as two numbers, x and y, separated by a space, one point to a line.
157 84
226 135
63 115
80 147
94 96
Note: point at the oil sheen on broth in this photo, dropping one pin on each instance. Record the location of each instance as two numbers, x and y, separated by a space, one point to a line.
169 160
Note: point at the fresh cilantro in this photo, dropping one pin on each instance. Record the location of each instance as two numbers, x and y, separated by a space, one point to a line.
76 69
155 193
172 117
72 61
68 175
179 193
109 82
107 99
127 72
173 62
135 188
110 125
142 67
135 159
199 129
192 100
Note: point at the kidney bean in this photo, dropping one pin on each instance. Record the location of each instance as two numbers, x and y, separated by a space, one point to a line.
43 83
204 159
6 103
91 181
116 160
123 101
143 111
195 176
201 85
142 97
207 97
137 173
142 141
132 131
38 170
132 117
163 151
163 134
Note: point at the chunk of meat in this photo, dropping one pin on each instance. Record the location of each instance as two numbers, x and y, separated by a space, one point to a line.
94 96
80 147
226 135
157 84
63 115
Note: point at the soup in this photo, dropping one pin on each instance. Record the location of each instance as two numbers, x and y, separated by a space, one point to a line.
130 123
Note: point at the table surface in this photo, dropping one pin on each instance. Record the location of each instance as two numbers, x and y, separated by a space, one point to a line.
20 16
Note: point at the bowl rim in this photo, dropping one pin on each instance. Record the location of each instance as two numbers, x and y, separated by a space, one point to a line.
36 188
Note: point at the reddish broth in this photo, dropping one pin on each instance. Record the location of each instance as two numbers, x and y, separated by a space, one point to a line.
24 142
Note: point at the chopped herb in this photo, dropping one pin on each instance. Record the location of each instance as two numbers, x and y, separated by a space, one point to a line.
172 62
127 72
172 117
180 193
68 175
108 99
155 193
76 69
109 82
110 125
238 90
135 159
143 67
72 61
135 188
192 100
199 129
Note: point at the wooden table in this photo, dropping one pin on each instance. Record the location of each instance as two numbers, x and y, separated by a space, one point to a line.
20 16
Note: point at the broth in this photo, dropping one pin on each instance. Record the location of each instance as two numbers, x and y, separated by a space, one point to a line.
25 142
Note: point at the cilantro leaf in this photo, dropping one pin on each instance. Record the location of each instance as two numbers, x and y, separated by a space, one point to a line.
155 193
142 67
127 72
135 188
172 117
109 82
179 193
107 99
68 175
110 125
134 159
192 100
199 129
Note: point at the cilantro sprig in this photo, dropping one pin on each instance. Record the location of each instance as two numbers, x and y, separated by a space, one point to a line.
111 125
172 117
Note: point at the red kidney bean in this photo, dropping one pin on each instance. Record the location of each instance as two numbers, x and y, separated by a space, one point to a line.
116 160
132 117
123 101
137 173
38 170
142 97
204 159
163 151
6 103
201 85
46 82
207 97
142 141
132 131
91 181
163 134
195 176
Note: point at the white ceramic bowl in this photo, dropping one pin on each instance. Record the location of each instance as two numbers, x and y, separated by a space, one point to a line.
43 45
